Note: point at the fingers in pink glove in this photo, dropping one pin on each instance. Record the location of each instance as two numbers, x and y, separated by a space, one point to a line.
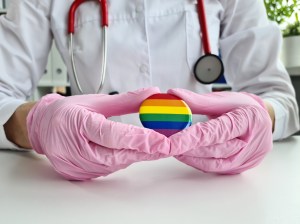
102 146
96 162
36 115
250 124
222 129
216 103
223 150
118 159
119 136
115 105
220 166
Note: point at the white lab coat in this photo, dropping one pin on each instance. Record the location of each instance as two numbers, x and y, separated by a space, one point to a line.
150 43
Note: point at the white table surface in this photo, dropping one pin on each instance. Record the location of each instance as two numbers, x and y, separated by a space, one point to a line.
160 192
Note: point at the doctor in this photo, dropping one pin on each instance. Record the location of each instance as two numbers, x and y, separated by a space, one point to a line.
150 43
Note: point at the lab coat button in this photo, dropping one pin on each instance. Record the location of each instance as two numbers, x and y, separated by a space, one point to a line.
58 71
144 69
140 8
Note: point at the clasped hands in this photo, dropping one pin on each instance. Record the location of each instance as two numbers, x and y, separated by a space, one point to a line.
81 143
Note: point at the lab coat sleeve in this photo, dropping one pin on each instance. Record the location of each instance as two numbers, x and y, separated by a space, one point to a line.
25 42
250 45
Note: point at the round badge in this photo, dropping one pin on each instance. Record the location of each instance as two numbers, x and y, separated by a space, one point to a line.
165 113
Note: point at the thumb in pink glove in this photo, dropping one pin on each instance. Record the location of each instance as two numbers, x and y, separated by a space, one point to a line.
81 143
237 139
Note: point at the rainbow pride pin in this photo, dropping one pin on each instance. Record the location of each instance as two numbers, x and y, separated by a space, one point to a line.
165 113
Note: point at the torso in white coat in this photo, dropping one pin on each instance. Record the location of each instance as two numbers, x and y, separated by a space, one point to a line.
150 43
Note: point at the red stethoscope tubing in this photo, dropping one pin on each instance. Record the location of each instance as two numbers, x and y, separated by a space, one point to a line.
207 68
204 28
77 3
104 18
71 31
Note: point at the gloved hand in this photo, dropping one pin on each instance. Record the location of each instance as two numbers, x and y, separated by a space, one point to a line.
236 138
81 143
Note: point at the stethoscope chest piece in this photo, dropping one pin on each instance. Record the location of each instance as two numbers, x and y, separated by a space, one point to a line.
208 69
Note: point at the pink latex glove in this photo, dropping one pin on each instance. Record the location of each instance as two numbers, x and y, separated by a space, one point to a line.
236 138
81 143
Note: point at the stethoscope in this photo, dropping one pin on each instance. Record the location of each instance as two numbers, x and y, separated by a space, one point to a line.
71 31
207 69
